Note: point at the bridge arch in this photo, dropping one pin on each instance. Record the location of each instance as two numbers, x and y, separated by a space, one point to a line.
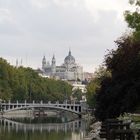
51 107
73 108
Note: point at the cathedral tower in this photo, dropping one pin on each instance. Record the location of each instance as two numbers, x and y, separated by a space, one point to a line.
44 63
53 65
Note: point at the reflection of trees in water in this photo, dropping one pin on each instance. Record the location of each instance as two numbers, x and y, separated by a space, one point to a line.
69 126
50 131
44 135
38 120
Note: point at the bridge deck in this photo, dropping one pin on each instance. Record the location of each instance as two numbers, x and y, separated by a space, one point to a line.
71 107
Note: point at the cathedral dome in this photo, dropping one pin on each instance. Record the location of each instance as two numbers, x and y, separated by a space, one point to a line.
69 59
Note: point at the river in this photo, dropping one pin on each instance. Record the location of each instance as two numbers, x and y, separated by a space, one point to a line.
42 129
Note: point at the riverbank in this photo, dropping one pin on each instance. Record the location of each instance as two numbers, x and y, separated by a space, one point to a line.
18 114
25 113
132 121
94 133
95 128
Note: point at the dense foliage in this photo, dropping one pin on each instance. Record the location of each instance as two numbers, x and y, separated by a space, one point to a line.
94 85
25 84
133 19
77 94
120 92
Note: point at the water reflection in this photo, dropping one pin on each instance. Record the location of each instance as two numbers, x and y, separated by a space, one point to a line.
12 130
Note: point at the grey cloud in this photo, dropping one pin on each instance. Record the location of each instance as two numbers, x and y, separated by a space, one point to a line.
56 28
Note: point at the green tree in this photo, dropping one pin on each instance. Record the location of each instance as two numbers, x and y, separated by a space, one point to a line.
120 92
95 84
25 84
133 19
77 94
5 78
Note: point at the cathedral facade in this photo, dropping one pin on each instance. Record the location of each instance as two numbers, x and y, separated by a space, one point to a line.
69 70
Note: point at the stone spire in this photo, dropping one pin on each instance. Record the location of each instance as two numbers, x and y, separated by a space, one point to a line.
53 65
53 60
44 63
69 52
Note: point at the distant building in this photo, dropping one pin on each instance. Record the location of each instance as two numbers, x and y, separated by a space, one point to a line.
82 87
88 76
69 70
79 86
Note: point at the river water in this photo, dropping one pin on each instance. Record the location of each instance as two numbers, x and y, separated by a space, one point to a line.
42 129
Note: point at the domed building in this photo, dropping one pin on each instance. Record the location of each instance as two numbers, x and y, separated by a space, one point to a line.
69 70
69 59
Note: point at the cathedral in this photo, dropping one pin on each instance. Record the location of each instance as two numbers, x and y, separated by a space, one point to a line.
69 70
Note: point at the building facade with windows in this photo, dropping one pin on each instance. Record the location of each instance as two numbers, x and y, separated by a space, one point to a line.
69 70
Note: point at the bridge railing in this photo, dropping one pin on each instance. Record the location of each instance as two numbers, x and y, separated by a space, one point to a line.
71 106
39 101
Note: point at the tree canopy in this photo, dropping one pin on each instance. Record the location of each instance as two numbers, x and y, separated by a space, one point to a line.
133 19
120 92
95 84
25 84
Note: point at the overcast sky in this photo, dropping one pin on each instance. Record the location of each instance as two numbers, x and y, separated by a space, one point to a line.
30 29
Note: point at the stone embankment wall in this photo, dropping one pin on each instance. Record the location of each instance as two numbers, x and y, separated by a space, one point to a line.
25 113
18 114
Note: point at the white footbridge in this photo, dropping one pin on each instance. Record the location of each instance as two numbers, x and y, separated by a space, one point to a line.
77 108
